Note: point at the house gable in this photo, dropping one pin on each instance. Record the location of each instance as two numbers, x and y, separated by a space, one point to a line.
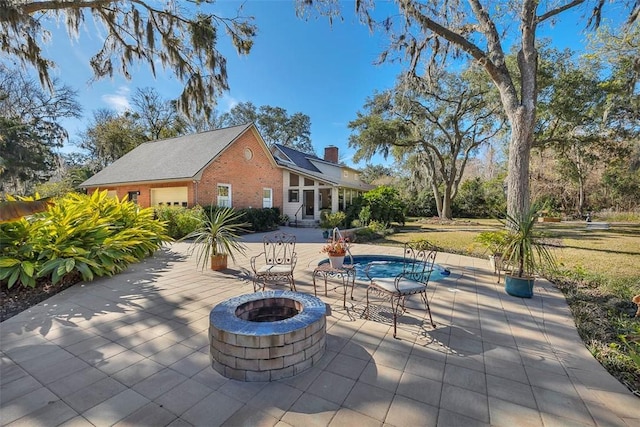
245 167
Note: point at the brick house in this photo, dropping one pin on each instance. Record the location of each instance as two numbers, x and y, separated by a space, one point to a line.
231 167
226 167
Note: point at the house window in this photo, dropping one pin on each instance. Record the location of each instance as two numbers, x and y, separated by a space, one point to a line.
294 196
294 180
345 173
308 182
133 196
248 154
224 195
267 198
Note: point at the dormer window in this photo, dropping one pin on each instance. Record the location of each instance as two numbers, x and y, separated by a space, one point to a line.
345 173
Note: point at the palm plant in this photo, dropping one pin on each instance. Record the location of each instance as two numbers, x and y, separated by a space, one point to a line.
523 247
217 234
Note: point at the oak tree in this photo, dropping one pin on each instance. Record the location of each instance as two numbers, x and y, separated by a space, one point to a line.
429 33
182 39
435 127
30 129
276 126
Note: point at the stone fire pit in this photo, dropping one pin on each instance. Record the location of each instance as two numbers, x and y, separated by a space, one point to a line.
267 335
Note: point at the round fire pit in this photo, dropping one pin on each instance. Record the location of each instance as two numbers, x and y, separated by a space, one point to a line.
267 335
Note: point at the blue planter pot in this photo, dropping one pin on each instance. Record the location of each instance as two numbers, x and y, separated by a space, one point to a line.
519 286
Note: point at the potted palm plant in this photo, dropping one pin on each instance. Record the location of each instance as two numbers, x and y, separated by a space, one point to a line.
217 237
525 252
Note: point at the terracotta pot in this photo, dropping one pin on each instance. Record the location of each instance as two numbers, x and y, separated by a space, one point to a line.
218 262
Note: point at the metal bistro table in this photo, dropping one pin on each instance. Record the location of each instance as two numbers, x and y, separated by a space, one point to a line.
347 273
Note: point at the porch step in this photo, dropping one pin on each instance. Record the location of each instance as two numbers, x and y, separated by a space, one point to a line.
304 223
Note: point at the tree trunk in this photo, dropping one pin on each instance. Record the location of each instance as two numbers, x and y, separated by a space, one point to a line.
522 125
446 204
436 196
580 194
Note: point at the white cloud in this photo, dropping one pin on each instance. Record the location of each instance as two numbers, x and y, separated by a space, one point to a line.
118 101
227 103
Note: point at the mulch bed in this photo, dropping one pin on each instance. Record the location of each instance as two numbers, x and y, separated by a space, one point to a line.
19 298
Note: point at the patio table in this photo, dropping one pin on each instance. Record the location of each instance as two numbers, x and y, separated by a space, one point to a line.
347 273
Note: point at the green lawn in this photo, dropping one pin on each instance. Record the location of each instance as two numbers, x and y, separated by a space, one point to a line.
612 253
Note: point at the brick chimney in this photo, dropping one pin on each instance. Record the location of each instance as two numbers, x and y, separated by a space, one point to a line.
331 154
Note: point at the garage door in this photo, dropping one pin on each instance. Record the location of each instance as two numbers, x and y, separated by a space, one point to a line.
170 196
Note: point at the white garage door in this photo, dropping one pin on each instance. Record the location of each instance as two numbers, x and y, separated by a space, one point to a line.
170 196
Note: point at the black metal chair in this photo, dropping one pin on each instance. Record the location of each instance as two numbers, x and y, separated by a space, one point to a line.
279 260
414 279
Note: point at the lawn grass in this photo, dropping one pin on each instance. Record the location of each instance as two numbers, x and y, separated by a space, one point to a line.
613 254
599 273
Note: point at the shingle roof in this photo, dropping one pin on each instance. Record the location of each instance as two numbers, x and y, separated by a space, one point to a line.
168 159
299 158
300 162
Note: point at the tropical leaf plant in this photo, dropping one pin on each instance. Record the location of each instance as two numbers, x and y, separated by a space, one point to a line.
93 235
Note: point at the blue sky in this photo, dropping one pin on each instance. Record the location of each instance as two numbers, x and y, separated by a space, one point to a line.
322 70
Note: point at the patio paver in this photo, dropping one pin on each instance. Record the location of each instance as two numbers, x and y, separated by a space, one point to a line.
133 350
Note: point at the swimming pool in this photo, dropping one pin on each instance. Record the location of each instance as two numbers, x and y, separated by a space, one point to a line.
385 266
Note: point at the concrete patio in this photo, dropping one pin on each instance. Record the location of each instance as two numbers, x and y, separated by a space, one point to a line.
133 350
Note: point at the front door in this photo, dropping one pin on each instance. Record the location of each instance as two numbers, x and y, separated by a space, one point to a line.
309 205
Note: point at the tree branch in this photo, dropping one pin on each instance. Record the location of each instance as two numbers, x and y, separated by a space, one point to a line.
558 10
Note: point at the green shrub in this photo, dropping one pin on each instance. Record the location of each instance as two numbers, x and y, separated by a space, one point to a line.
377 226
385 204
332 220
353 210
366 235
493 241
93 235
478 198
262 219
365 215
265 219
180 221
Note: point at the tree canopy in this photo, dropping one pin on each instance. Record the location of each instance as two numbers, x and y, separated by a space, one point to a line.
427 34
274 123
30 129
436 127
182 39
109 136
